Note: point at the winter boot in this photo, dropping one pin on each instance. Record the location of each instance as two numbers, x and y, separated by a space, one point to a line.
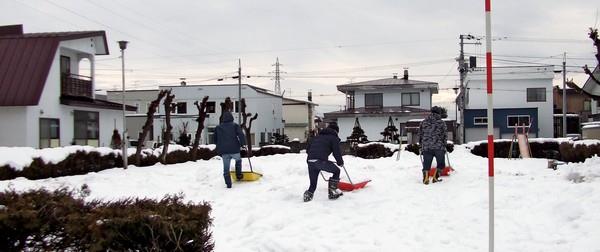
238 170
308 196
333 189
426 177
436 176
227 180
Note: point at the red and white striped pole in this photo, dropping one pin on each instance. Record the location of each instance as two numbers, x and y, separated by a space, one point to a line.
490 116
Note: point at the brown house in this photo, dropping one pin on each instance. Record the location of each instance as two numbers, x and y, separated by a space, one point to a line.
579 109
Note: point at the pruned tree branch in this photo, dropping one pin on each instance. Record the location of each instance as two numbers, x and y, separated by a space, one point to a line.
168 104
593 35
247 128
148 125
201 117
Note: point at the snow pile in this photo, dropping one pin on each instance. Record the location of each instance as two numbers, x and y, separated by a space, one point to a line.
536 208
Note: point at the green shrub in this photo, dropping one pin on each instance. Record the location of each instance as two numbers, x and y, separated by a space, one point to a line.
40 220
372 151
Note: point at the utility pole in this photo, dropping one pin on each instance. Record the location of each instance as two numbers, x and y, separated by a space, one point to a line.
564 96
239 92
124 142
277 78
462 69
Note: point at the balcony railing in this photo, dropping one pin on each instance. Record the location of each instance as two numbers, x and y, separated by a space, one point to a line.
76 85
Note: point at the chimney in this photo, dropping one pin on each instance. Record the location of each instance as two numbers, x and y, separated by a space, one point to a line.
405 74
11 30
309 95
395 75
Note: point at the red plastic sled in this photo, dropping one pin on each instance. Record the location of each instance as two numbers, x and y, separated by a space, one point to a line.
347 187
445 172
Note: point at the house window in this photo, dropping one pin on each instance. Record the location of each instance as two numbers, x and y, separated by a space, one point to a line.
87 128
49 133
587 105
65 65
536 94
513 120
210 107
480 121
181 108
411 99
374 100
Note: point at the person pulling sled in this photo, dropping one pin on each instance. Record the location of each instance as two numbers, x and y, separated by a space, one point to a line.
432 139
318 151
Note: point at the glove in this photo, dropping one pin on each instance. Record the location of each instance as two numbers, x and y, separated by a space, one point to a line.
244 148
340 164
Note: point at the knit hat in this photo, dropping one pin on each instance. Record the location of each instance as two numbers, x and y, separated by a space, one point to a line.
333 126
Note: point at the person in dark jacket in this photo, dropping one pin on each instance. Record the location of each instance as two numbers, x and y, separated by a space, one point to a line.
318 151
229 139
432 138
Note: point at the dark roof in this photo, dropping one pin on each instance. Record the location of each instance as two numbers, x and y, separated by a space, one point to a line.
377 112
291 101
399 83
93 103
25 60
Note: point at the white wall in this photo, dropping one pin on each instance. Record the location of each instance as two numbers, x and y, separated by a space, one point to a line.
510 91
14 126
392 97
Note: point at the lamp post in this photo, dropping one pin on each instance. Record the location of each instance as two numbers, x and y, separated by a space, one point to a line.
123 46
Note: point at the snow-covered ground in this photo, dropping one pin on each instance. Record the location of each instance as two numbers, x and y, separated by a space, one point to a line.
537 209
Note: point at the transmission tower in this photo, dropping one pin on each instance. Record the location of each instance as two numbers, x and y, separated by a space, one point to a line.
277 77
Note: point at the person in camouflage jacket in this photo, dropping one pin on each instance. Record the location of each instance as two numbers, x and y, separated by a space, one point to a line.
432 139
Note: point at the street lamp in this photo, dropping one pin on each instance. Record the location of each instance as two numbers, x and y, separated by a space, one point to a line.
123 46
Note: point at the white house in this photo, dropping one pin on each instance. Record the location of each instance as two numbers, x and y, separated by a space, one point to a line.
374 102
522 95
46 98
298 116
258 100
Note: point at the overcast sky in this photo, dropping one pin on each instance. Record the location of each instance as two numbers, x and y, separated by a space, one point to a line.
320 44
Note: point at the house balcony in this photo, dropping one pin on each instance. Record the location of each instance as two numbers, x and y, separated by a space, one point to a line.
76 85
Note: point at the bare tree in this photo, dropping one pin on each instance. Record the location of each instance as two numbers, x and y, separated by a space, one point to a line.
148 125
593 35
168 104
246 128
201 117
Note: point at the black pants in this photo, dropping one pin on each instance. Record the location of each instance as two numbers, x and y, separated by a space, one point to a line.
440 158
315 166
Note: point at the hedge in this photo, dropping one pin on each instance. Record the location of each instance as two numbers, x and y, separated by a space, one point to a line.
565 151
40 220
416 148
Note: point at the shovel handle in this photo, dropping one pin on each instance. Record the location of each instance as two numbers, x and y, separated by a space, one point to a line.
347 175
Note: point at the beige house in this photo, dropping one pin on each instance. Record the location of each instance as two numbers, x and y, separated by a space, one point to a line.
298 117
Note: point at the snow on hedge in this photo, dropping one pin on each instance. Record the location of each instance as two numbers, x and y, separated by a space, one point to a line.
20 157
587 142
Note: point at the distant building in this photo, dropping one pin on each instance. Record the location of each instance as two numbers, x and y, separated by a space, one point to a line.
374 102
258 100
579 109
298 116
522 96
46 97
